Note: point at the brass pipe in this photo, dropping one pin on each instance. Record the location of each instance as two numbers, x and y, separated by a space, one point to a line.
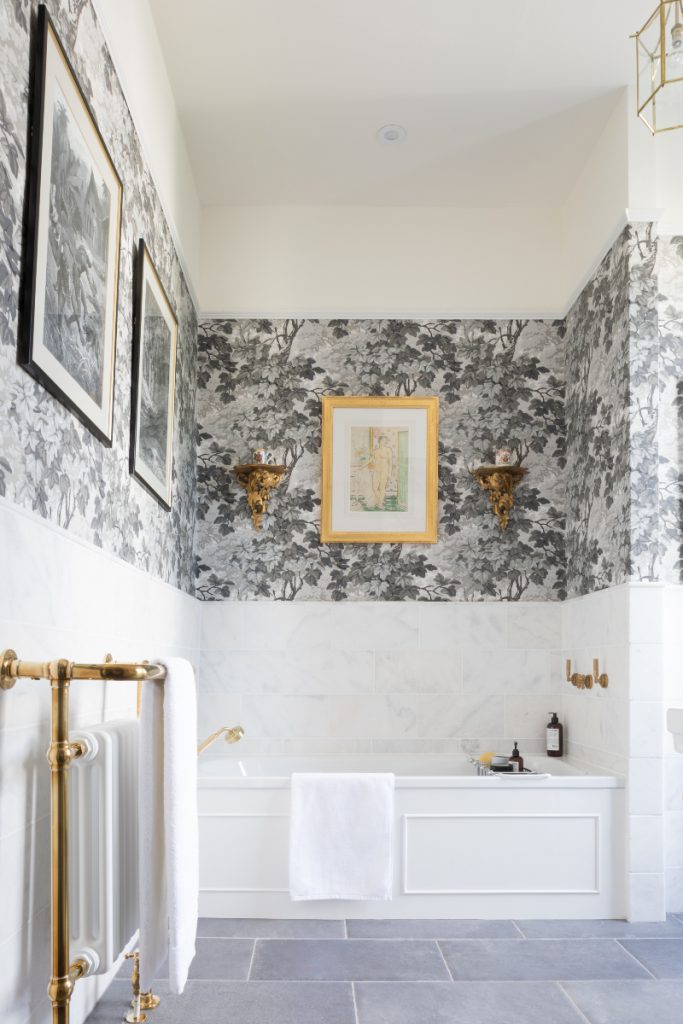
12 668
59 756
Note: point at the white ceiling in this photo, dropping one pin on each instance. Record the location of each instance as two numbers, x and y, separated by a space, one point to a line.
502 100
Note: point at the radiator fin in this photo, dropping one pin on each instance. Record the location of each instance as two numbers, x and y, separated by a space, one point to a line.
104 842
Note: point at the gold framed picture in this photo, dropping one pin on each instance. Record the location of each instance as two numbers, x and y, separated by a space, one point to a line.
380 470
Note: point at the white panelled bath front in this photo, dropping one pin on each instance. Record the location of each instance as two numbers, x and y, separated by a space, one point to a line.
546 846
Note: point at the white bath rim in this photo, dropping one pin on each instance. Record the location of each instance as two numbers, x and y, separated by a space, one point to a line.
416 771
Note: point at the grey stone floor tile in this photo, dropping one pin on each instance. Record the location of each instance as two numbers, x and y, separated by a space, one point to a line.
215 1002
539 960
217 959
464 1002
630 1002
663 957
270 928
348 960
600 929
425 929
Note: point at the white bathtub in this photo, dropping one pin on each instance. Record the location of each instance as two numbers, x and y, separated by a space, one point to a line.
466 846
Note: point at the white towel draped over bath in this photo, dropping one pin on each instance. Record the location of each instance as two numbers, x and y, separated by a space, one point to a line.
341 836
168 826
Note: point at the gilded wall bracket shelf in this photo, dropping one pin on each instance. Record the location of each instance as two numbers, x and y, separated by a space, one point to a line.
258 481
500 483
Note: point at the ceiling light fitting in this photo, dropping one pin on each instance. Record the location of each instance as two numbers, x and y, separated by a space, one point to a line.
390 134
659 55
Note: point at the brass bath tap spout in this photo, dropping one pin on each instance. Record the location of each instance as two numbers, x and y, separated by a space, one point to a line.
232 735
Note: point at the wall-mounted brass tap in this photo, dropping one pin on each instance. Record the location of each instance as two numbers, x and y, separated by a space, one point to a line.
585 682
232 735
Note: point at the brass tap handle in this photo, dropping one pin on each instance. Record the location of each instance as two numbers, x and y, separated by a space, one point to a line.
568 669
602 679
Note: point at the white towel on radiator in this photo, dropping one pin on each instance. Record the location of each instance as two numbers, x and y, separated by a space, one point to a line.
168 825
341 836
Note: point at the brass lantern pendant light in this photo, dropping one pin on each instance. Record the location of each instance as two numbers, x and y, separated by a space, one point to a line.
659 55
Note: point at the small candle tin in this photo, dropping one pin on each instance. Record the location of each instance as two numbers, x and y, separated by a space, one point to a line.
503 456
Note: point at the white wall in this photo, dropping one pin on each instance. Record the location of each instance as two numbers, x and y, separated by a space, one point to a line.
669 147
61 598
134 45
595 209
379 261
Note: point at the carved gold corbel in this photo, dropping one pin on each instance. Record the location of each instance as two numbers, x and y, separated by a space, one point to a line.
259 480
500 483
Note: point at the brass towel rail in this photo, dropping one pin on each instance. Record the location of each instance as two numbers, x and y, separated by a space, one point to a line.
61 753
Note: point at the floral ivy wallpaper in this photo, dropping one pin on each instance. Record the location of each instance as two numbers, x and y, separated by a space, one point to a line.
624 342
260 383
596 334
49 462
669 396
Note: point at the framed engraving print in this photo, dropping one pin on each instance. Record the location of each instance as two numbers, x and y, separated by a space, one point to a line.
69 292
155 337
380 470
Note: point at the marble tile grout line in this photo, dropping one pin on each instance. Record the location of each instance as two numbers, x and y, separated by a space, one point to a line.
515 925
251 962
355 1004
572 1003
445 962
637 960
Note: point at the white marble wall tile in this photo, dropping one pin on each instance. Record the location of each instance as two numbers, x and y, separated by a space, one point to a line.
535 624
420 671
378 716
286 624
285 716
300 670
674 890
599 618
526 716
222 625
448 625
359 626
646 842
673 837
647 898
25 865
443 716
646 729
673 783
645 789
505 671
646 613
25 789
22 976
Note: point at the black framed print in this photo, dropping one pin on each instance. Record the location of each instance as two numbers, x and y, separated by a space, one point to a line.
69 295
155 338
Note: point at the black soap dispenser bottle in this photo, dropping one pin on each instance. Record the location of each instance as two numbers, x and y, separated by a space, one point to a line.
555 737
516 760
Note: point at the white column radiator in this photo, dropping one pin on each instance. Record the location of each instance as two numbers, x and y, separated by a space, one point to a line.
104 842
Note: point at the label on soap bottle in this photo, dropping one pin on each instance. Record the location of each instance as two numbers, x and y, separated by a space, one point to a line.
553 739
